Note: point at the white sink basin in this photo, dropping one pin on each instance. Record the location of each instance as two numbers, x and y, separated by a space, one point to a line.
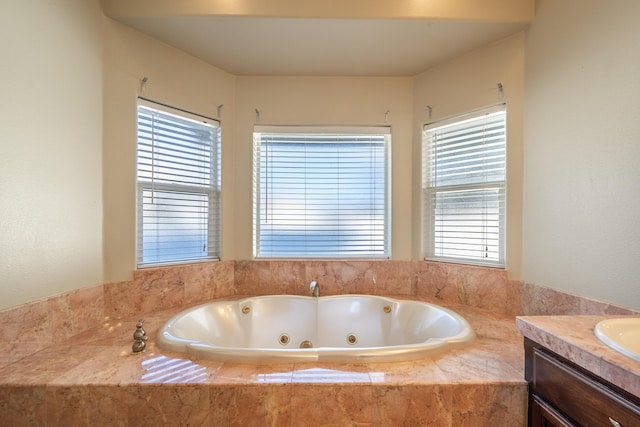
622 335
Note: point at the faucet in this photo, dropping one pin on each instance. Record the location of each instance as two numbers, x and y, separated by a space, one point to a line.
314 288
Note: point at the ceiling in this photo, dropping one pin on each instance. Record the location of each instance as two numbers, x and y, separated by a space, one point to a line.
321 47
324 37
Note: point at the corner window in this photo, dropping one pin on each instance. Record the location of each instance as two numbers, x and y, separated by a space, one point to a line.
463 185
178 185
321 192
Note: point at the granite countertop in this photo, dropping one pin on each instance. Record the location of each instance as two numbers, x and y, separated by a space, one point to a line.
88 375
572 337
103 356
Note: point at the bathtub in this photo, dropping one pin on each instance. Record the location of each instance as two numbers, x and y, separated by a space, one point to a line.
282 328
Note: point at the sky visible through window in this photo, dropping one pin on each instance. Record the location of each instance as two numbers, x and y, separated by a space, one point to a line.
178 187
321 195
464 169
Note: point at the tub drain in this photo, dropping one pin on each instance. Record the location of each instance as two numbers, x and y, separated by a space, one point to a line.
306 344
352 339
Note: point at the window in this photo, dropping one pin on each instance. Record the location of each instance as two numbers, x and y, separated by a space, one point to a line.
321 192
178 176
464 174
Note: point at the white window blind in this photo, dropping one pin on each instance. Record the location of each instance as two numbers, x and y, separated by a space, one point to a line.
178 176
321 193
464 180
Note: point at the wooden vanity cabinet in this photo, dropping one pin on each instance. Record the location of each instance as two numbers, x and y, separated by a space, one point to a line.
561 394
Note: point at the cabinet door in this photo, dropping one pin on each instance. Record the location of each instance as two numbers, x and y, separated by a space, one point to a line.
581 398
544 415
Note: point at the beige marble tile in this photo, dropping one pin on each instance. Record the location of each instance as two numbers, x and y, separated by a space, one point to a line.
171 370
25 330
487 288
252 277
328 275
331 373
196 282
538 300
355 277
121 299
85 406
252 406
477 364
105 366
224 279
222 403
155 289
45 366
23 406
31 327
160 288
344 277
392 278
542 301
413 405
230 373
331 405
161 405
481 287
75 312
422 371
288 277
435 280
489 405
591 306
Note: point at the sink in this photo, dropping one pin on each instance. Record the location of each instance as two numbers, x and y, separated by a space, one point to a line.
621 334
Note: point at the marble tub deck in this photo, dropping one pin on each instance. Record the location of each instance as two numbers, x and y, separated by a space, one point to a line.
93 379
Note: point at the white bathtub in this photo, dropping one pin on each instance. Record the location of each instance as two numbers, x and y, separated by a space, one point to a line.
338 328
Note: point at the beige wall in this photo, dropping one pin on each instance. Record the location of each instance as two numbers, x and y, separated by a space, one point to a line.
465 84
326 100
176 79
68 114
50 148
582 149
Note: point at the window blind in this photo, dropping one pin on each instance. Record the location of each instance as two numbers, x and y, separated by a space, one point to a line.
464 181
321 193
178 175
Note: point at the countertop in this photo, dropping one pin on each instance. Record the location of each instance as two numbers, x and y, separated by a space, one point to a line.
103 356
572 337
82 380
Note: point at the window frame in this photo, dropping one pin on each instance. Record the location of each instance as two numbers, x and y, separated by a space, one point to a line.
430 191
320 132
180 187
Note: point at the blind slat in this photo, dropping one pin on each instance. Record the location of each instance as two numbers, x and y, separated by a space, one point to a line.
464 181
178 187
321 194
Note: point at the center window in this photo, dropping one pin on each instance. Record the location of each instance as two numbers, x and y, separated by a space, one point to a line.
321 192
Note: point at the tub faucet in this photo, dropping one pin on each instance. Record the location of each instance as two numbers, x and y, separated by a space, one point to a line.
314 288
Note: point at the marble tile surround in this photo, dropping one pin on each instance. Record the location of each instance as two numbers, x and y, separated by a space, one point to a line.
31 327
82 380
41 329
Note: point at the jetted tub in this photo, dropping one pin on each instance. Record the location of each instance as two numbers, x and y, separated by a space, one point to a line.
281 328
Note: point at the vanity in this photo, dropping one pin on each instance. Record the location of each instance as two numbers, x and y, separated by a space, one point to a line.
574 379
